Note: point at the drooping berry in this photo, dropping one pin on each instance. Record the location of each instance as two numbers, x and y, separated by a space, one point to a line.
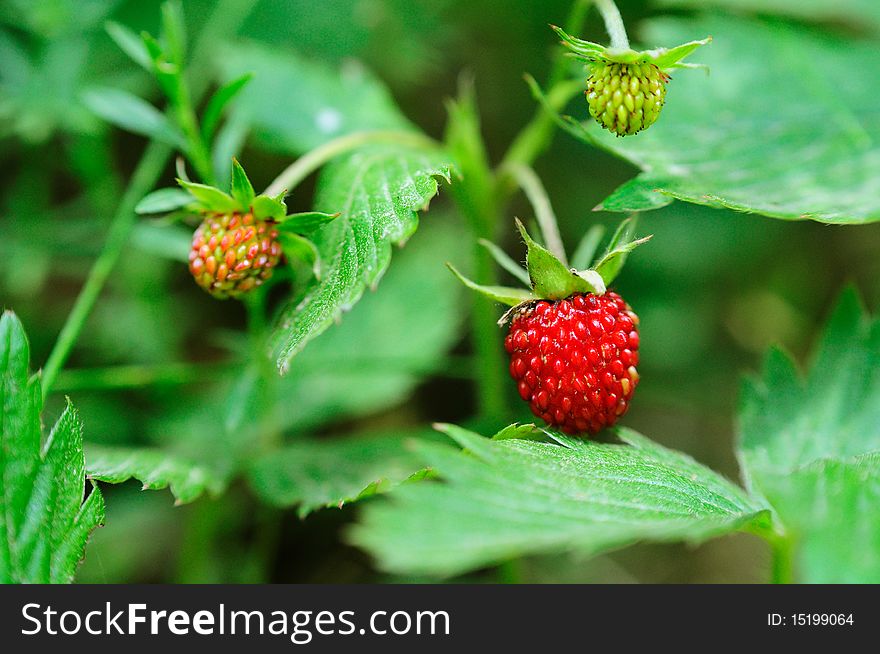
574 360
626 98
233 253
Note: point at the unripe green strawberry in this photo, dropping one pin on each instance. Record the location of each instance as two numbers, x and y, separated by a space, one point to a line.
233 253
626 98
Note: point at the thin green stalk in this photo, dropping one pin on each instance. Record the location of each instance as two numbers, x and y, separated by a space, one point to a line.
537 135
144 178
613 24
531 185
197 149
782 549
138 376
300 169
227 15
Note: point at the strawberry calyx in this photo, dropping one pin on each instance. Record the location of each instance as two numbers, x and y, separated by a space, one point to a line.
663 58
551 279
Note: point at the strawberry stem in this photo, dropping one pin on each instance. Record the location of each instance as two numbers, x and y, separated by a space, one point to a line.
613 24
531 185
295 173
228 15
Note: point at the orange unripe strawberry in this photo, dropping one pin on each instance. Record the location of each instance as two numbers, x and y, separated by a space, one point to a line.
233 253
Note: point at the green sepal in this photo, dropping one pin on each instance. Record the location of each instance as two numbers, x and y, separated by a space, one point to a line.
209 198
551 279
306 222
621 244
266 208
504 294
663 58
242 189
503 260
300 248
163 200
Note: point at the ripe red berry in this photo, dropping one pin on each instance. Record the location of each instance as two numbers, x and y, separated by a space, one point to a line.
233 253
574 360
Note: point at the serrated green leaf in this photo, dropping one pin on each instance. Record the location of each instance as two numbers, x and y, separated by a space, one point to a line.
44 522
130 43
378 191
218 103
313 474
155 469
129 112
830 513
504 294
212 199
380 352
721 143
242 190
163 200
635 195
550 278
306 222
507 498
809 445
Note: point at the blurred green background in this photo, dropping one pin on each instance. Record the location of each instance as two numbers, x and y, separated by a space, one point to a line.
713 288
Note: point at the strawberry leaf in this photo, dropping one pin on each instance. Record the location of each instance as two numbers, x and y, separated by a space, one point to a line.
377 190
505 498
313 474
155 469
44 521
811 445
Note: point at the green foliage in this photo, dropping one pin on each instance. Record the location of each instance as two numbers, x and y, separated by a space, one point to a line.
552 279
409 325
775 95
129 112
810 445
857 13
317 473
44 522
294 105
504 498
155 469
377 190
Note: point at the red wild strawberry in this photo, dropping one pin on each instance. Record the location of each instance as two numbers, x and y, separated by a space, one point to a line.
233 253
574 360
